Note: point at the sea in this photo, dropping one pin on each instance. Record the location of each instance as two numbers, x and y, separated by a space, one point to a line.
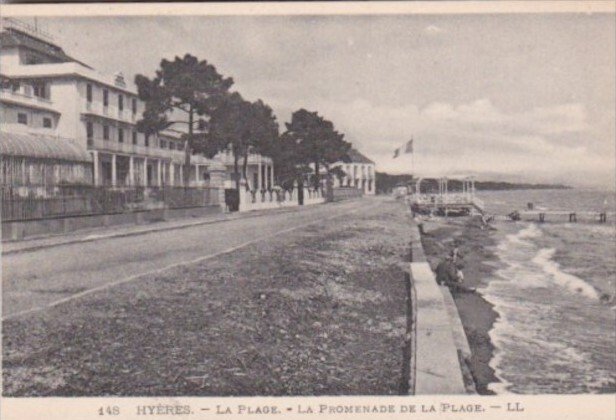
554 294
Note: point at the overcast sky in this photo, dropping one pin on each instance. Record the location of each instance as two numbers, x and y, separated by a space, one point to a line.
517 97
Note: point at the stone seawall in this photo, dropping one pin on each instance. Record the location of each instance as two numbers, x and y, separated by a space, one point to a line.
440 342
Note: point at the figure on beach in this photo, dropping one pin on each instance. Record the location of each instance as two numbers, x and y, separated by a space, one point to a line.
449 272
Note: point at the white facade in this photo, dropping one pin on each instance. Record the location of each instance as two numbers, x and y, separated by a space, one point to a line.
259 170
359 172
357 175
44 94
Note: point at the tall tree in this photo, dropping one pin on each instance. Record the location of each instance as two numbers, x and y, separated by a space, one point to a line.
317 142
262 131
290 165
245 128
184 92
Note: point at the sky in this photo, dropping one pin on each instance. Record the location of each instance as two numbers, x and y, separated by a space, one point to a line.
527 97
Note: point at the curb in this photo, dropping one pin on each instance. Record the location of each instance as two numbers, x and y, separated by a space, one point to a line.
247 215
440 344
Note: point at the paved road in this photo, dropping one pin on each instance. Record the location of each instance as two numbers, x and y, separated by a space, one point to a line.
34 281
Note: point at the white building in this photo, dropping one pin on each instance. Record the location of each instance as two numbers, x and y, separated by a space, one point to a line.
48 94
259 170
359 172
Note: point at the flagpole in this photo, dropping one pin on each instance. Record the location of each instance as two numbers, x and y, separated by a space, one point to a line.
413 161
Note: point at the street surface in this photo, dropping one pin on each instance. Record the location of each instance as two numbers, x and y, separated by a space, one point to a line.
33 281
308 302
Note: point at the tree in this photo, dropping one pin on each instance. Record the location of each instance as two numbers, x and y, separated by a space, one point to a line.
316 140
338 172
290 166
245 127
183 92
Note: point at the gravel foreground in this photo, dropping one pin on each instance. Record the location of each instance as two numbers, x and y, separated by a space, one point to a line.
317 311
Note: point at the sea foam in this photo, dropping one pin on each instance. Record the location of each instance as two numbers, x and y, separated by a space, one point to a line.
575 284
530 268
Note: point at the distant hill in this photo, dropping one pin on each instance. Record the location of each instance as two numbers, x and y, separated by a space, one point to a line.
386 182
497 185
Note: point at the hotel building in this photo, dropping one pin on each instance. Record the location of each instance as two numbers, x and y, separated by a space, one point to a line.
359 172
63 122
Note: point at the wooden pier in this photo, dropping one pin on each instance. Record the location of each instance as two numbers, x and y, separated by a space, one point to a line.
442 202
543 216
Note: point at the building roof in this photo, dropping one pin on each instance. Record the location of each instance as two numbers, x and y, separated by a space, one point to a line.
41 147
15 38
354 156
69 69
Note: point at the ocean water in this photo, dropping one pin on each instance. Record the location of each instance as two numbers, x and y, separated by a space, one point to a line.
554 293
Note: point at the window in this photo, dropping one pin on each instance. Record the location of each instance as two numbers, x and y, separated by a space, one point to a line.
90 130
171 145
134 106
47 122
22 118
121 102
134 137
89 92
147 141
105 132
40 90
163 144
105 98
120 135
32 59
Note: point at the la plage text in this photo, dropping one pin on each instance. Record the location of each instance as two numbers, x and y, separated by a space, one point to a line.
352 409
325 409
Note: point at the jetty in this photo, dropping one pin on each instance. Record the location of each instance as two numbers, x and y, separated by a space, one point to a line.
436 199
543 216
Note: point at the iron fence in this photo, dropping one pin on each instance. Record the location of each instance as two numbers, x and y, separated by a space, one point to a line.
20 203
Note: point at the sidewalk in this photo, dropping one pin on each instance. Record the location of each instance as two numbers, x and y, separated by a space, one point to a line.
89 235
439 334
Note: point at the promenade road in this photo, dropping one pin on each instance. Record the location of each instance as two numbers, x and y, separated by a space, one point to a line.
36 280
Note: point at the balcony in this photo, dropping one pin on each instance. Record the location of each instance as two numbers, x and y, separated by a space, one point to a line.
97 108
27 100
253 159
135 149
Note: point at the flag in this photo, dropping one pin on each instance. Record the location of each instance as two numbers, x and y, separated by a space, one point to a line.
408 148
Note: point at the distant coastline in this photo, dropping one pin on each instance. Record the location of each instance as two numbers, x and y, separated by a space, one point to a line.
500 186
385 183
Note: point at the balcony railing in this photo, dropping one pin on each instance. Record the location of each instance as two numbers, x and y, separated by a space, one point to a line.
26 99
98 108
253 159
135 149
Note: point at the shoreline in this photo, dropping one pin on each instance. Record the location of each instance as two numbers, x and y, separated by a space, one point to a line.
480 264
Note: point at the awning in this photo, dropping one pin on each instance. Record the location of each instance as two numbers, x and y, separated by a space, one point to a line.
41 146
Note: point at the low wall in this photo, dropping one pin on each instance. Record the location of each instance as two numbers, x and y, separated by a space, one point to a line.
17 230
439 338
313 197
250 201
346 193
